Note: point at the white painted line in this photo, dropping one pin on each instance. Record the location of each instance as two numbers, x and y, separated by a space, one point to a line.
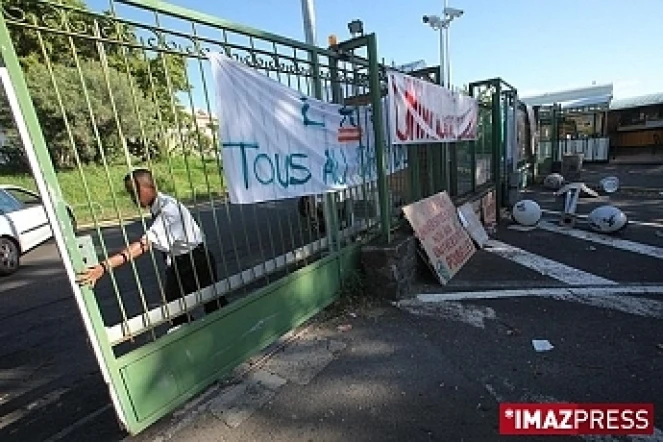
641 290
612 298
637 223
545 266
618 243
645 307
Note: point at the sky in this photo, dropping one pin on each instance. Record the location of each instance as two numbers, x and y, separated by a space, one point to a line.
537 46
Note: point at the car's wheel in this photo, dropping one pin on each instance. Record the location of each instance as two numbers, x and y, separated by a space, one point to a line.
9 256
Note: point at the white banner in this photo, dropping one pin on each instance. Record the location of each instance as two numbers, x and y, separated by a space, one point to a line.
278 143
423 112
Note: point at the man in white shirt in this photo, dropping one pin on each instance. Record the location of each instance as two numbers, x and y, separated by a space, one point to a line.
174 232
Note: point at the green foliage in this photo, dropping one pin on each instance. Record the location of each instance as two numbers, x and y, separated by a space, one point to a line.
108 193
143 86
135 113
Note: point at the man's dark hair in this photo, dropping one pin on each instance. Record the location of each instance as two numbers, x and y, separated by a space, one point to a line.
140 176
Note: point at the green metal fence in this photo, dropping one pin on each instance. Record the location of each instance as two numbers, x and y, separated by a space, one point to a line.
466 169
102 93
96 94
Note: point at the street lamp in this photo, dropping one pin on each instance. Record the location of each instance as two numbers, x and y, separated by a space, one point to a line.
356 28
441 24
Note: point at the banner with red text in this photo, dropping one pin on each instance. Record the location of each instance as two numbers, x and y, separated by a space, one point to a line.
423 112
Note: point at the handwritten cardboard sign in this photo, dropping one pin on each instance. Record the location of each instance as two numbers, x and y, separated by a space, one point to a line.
447 244
472 223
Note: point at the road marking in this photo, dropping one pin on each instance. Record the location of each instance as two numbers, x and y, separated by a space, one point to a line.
33 407
641 290
613 298
637 223
545 266
623 244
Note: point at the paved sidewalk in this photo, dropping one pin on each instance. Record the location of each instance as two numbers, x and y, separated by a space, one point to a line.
383 380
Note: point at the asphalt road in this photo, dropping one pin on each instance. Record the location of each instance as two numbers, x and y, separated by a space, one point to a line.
49 380
437 367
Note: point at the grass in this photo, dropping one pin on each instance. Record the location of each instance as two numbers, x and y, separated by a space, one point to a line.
104 190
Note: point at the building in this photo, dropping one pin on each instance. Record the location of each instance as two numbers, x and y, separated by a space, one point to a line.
635 128
573 121
589 121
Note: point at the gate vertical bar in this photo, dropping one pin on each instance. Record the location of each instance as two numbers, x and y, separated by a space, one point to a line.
414 172
473 151
497 145
554 134
38 156
376 104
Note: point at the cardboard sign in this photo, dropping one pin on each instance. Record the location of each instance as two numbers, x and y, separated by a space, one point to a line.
447 244
472 223
488 209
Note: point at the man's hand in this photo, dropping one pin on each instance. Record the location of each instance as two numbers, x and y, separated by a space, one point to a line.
91 275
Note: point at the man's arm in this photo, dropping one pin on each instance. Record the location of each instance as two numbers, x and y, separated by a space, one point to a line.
133 251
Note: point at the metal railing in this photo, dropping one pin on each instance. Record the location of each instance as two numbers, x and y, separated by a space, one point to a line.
104 93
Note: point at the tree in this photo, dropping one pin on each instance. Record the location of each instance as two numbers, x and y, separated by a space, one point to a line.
145 101
135 119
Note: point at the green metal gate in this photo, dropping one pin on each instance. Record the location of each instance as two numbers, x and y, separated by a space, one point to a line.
95 94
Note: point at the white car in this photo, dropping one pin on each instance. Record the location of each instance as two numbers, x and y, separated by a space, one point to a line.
23 225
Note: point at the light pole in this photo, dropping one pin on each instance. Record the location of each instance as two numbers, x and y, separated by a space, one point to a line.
442 25
308 14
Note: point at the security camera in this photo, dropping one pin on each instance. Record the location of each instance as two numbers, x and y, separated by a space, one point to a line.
453 12
433 20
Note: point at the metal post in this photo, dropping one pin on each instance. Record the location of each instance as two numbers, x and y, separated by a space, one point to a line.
473 152
308 14
376 104
447 159
554 133
447 57
438 164
442 75
497 144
